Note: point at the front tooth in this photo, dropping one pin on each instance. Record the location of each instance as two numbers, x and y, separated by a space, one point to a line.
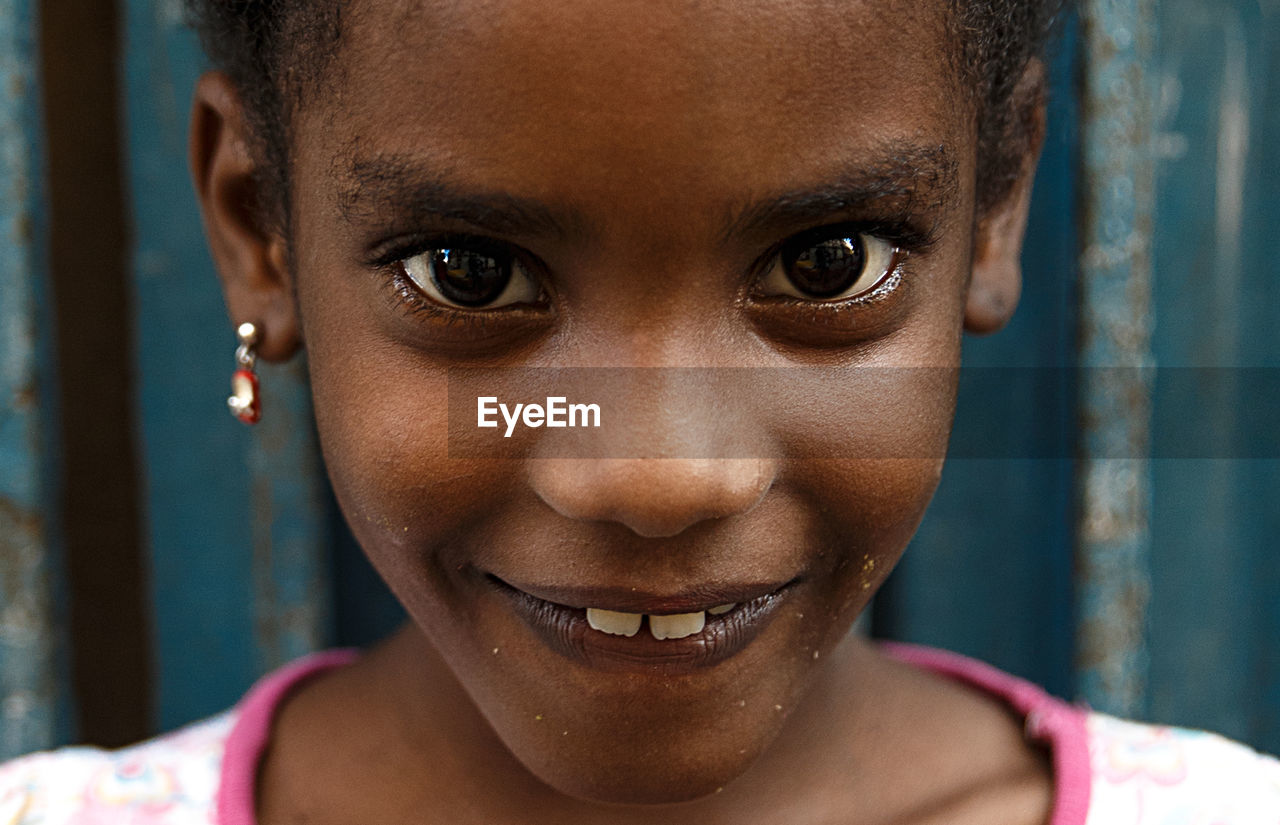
720 610
677 626
611 621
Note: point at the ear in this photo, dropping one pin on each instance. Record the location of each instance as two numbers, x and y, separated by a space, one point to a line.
996 281
250 253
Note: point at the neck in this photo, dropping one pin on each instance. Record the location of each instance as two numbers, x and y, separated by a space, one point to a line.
835 738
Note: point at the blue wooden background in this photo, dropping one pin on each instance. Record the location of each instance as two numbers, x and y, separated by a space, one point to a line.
1148 587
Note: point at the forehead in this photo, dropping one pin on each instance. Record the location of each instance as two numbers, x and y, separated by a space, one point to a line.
679 99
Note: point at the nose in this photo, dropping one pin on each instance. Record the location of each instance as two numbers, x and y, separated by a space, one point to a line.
654 497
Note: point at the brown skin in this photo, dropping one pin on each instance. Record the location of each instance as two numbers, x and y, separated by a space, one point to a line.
651 130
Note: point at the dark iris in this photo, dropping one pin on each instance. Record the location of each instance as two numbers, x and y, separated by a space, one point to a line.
826 268
470 277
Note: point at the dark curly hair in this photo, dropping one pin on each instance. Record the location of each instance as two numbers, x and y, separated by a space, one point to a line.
276 51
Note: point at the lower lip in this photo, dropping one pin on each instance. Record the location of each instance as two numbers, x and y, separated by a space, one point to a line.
565 630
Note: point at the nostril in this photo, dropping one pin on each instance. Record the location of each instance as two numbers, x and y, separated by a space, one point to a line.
654 497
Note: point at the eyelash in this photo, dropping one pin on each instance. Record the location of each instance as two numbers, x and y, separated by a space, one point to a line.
415 303
388 259
904 236
901 235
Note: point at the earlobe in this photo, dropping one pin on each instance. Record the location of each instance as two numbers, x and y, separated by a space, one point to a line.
996 280
996 283
248 249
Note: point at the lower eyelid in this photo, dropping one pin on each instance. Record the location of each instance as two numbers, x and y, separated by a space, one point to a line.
446 325
884 289
818 325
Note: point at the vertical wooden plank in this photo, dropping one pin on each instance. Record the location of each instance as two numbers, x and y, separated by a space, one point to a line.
238 530
33 704
1113 540
88 233
1215 605
988 574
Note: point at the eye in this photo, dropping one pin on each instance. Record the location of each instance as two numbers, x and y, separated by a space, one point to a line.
474 275
826 265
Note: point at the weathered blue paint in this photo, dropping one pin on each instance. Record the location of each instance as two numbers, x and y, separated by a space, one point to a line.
34 711
1113 538
292 601
238 533
989 571
364 610
1215 607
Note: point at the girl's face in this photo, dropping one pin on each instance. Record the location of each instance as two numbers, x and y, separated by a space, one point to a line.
720 183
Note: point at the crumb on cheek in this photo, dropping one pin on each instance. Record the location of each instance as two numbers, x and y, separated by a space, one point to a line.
868 572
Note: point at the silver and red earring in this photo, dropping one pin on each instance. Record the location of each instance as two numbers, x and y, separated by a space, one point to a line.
245 402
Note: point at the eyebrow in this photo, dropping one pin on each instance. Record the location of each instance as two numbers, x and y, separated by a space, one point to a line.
395 185
909 178
905 177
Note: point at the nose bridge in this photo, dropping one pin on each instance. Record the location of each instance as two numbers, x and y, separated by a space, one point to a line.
654 497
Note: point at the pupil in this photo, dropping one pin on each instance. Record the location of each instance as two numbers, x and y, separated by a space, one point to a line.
470 277
827 268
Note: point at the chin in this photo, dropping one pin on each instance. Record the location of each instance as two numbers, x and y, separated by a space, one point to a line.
658 785
633 750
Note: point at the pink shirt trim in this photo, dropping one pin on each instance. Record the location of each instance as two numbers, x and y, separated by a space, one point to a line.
1049 720
237 790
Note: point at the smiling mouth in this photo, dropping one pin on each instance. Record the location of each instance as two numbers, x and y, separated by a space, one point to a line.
631 631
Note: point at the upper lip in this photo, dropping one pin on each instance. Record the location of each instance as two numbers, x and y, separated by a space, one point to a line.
639 600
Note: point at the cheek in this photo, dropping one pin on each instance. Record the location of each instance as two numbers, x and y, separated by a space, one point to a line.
872 508
383 432
885 432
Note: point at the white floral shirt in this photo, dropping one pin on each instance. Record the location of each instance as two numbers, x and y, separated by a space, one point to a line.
171 780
